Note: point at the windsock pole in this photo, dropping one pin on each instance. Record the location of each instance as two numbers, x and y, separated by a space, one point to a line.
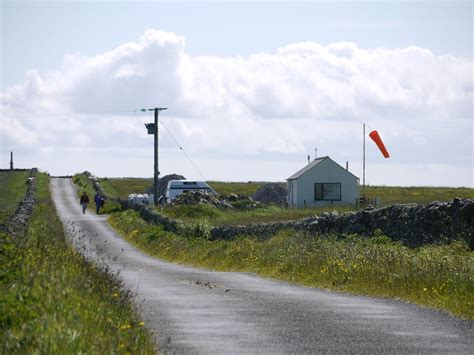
363 160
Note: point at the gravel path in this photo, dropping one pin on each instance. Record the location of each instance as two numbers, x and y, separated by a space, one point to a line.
196 311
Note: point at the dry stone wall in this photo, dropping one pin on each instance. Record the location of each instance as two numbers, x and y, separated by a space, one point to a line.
16 225
412 224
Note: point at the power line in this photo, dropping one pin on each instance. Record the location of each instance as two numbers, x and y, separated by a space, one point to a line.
73 114
181 148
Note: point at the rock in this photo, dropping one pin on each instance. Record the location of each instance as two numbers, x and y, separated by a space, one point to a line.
271 193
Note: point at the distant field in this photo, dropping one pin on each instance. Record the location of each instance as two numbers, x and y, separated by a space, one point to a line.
126 186
241 188
390 195
12 191
122 187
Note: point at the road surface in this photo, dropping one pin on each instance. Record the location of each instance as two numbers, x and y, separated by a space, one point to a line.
197 311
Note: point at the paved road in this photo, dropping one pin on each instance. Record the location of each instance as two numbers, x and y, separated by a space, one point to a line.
196 311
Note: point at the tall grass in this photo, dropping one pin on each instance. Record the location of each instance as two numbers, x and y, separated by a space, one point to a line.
53 300
436 276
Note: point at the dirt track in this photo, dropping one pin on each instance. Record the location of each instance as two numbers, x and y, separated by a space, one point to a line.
199 311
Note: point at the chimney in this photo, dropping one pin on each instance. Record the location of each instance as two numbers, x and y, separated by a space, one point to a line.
347 165
315 153
11 160
309 159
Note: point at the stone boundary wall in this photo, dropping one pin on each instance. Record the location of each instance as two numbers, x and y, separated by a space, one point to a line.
17 223
19 169
412 224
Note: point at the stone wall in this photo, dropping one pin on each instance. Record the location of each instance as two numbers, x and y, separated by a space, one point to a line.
16 225
412 224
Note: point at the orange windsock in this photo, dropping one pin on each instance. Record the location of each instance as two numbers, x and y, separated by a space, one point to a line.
376 138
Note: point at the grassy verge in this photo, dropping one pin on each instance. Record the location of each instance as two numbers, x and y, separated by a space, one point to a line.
54 301
436 276
12 191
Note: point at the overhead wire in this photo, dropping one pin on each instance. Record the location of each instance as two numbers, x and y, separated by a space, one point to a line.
76 114
72 114
181 148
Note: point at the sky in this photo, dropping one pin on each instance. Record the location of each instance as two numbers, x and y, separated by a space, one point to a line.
252 88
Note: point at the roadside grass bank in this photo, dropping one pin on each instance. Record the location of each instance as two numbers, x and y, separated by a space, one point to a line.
12 190
439 276
52 300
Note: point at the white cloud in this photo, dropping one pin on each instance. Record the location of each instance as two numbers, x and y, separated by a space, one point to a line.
267 107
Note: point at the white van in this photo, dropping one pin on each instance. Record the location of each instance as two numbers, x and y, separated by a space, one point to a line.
177 187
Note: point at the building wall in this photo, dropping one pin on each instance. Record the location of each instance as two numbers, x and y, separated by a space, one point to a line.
326 171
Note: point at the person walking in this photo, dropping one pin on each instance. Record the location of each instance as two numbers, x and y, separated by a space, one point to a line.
98 199
84 202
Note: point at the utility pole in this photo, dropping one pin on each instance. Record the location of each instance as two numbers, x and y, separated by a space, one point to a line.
363 161
11 160
153 129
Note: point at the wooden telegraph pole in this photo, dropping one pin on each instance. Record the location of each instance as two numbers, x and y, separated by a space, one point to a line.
153 129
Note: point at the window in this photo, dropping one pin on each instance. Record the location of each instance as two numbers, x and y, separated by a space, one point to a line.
327 191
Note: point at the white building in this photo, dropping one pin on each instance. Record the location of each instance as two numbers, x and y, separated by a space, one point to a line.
320 183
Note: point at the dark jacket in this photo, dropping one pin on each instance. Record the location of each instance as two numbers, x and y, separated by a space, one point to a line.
98 199
84 199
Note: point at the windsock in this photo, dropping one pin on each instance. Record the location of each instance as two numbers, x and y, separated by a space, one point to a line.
376 138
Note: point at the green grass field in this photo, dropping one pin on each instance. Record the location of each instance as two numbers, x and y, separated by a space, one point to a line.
126 186
392 194
12 191
122 187
241 188
54 301
436 276
219 217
